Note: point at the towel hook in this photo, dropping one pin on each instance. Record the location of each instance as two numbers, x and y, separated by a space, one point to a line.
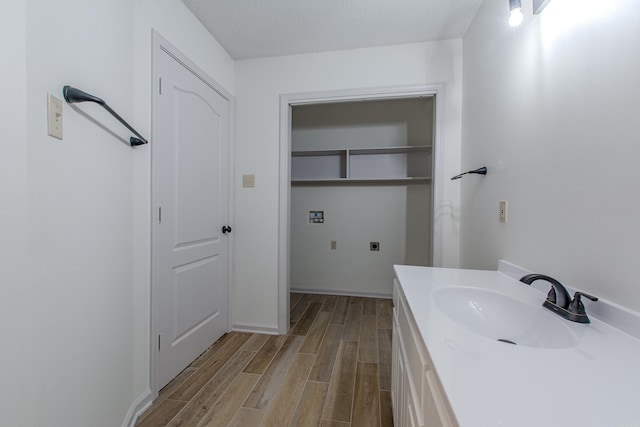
479 171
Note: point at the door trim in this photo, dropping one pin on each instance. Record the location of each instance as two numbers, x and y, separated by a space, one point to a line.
159 45
293 99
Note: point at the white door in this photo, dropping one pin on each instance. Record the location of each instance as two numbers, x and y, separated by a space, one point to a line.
191 147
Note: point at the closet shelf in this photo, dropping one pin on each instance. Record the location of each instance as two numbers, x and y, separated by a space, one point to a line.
391 150
357 151
389 165
360 181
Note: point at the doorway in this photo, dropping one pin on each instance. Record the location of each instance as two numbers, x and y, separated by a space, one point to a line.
190 200
349 163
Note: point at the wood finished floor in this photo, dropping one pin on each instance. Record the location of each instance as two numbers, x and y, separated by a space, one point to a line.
333 369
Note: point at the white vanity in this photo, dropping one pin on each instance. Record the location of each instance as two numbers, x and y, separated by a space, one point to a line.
416 394
455 363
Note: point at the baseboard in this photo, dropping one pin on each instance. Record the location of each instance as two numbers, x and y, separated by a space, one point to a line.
343 292
137 408
255 328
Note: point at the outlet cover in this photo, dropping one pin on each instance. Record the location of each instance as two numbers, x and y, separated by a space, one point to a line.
248 181
54 116
316 217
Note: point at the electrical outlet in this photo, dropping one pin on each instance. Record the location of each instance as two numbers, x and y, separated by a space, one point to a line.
54 116
502 215
248 181
374 246
334 245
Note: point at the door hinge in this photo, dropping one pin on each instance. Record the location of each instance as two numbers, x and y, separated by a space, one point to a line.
160 215
159 335
160 85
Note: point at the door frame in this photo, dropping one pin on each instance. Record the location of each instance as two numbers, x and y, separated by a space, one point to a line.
159 45
369 94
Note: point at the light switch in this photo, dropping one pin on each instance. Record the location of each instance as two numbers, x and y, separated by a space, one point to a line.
54 116
248 181
334 244
502 215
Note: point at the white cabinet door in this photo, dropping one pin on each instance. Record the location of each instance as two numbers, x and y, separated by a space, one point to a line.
401 409
395 374
436 412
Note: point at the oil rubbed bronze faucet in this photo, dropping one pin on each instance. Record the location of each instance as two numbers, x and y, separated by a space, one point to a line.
559 301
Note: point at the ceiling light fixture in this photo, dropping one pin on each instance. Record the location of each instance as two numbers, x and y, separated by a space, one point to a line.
516 17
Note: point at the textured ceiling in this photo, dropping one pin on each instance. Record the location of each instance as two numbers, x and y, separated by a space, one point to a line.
261 28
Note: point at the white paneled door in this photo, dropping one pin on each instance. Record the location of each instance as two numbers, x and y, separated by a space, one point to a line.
191 146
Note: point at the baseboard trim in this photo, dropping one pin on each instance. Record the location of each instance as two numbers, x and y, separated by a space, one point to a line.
255 328
343 292
136 409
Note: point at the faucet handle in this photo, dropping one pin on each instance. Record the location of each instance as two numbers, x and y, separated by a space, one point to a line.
582 294
576 306
551 295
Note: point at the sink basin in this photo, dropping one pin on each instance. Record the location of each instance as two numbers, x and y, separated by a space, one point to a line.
500 317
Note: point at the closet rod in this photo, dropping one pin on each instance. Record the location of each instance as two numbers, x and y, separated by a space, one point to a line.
73 95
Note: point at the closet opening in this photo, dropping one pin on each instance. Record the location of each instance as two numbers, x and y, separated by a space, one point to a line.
357 193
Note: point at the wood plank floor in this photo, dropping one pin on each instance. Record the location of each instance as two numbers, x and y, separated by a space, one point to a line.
333 369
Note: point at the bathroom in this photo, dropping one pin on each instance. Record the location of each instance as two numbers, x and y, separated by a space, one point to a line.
550 108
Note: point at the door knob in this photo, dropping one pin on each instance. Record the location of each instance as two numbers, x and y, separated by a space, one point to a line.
226 229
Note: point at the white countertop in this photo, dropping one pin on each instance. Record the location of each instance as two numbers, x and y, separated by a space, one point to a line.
489 383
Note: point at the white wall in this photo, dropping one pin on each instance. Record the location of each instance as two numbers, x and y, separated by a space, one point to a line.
75 213
172 20
79 253
259 84
370 124
397 216
16 324
552 109
355 216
